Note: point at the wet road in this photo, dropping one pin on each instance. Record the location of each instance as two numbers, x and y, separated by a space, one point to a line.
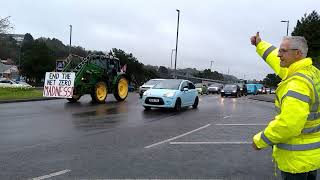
121 140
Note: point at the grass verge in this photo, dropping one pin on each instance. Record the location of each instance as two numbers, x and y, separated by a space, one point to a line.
8 93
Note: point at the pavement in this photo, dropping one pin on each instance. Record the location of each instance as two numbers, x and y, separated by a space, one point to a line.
264 97
63 140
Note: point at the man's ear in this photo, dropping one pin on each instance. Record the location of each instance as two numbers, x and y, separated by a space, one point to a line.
298 54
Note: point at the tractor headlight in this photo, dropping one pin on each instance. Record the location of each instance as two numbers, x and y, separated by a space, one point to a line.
169 94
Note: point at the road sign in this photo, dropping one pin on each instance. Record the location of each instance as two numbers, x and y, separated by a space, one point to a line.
59 65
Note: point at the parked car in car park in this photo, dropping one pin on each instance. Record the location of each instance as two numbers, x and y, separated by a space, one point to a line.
230 90
11 83
171 93
215 88
147 85
202 88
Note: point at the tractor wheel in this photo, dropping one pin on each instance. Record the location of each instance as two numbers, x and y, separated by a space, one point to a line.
74 98
100 92
121 89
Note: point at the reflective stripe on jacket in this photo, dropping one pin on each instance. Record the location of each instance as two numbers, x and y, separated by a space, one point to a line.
295 131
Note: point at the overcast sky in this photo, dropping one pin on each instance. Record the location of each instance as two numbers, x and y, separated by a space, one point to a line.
217 30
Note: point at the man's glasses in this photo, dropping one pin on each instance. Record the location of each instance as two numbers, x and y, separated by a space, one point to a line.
286 50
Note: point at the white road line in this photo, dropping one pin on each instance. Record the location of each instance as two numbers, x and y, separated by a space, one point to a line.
51 175
226 117
161 142
241 124
239 142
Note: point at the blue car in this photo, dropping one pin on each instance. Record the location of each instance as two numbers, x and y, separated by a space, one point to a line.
252 89
171 93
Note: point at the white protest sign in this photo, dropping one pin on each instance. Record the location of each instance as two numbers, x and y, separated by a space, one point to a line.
59 84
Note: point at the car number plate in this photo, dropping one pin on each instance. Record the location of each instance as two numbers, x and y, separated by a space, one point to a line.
153 100
227 93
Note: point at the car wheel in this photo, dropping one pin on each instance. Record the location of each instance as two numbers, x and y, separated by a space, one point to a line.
177 106
195 104
147 108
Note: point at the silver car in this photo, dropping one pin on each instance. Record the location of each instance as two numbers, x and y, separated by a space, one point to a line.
147 85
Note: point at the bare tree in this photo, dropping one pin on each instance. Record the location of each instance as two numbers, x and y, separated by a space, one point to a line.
5 25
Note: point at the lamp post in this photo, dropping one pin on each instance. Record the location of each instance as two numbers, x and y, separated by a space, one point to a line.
211 62
171 57
70 39
175 63
287 26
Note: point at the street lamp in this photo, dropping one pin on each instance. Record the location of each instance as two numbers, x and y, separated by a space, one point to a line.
175 63
287 26
70 39
211 62
171 57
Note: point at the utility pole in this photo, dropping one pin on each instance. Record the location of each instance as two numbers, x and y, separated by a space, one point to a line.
175 63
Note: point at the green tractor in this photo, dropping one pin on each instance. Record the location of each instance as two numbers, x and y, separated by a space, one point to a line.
97 75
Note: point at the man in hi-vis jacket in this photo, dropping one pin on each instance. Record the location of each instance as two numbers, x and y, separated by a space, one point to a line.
294 133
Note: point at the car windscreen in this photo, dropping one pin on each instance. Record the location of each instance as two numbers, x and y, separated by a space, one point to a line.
214 85
251 86
168 84
230 87
152 82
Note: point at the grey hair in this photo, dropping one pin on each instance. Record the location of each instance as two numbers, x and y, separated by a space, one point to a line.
298 42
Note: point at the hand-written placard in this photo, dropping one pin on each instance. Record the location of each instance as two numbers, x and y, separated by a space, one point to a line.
59 84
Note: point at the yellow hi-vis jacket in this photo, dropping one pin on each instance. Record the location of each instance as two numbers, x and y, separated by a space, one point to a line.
295 131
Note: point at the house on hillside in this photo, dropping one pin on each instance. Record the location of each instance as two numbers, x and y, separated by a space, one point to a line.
9 71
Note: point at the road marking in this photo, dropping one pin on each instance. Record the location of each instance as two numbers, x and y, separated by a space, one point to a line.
226 117
51 175
241 124
164 141
239 142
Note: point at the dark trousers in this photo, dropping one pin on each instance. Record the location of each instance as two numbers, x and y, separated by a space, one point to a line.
312 175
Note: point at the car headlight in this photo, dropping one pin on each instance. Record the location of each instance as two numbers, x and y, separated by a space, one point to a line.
234 91
169 94
145 93
222 90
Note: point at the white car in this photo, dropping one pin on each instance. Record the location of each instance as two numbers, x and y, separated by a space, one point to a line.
149 84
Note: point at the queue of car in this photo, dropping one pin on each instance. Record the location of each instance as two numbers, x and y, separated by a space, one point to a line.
178 93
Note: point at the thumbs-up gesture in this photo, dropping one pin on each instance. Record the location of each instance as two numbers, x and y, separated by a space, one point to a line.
255 39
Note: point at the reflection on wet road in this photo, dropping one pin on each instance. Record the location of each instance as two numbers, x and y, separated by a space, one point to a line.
54 135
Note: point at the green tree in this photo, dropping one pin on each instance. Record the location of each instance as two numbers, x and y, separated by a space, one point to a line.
136 70
309 27
37 61
208 74
9 48
271 80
